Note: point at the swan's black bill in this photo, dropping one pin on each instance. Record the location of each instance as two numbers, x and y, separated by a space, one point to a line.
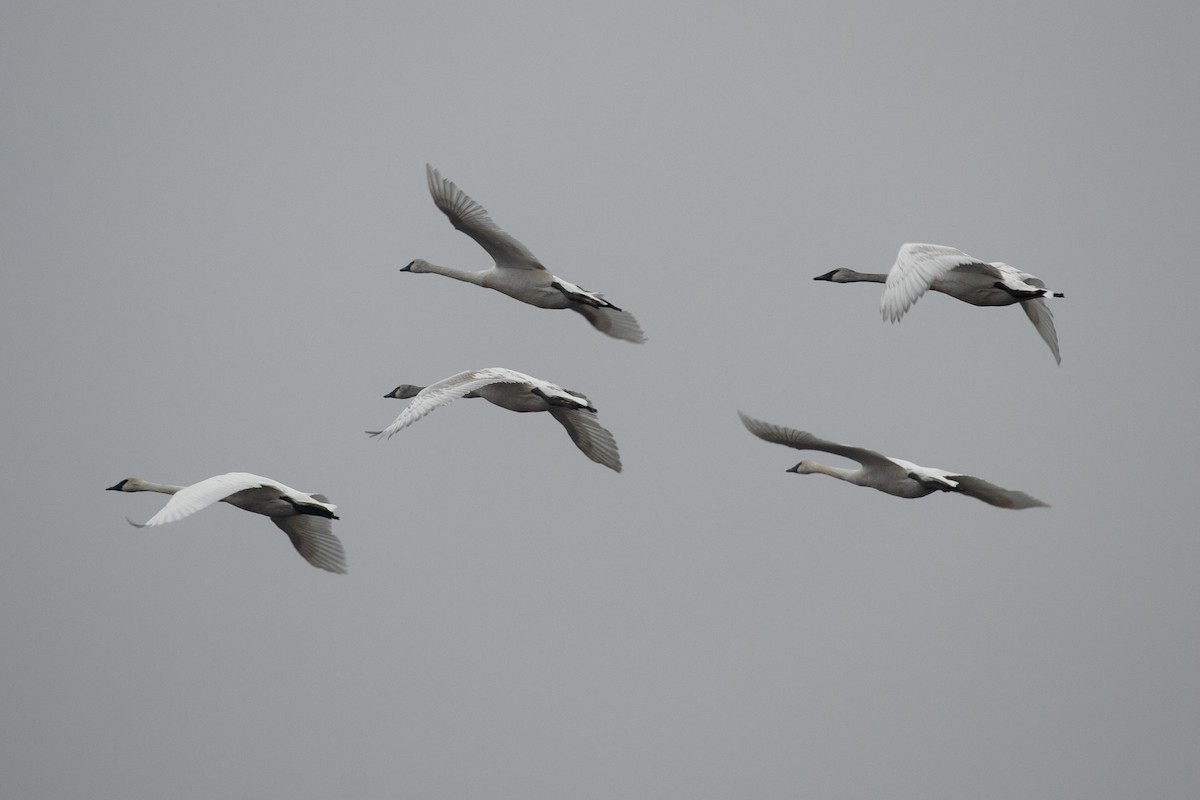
828 276
118 487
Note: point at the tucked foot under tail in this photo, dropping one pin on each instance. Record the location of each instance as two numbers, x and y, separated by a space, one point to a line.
565 401
582 296
316 511
1023 294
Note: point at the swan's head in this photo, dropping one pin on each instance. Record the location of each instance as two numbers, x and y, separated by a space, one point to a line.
404 391
416 265
839 275
127 485
804 468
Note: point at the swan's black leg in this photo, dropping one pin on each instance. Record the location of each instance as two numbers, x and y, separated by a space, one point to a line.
315 511
584 299
1021 294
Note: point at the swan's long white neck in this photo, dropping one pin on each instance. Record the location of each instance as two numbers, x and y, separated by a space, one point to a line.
863 277
841 473
470 276
413 391
147 486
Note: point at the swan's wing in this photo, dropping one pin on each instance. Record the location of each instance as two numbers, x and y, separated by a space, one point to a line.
313 538
198 496
439 394
1039 314
803 440
994 495
917 267
589 435
617 324
472 219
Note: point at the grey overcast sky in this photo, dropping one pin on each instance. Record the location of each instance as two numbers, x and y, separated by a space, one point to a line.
205 208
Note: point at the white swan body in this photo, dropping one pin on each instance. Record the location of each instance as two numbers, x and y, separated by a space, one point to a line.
921 267
892 476
515 391
304 517
517 272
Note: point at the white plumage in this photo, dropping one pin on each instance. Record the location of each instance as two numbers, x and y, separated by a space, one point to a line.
921 267
893 476
514 391
517 272
304 517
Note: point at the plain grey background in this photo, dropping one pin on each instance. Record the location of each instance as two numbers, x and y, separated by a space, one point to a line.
204 210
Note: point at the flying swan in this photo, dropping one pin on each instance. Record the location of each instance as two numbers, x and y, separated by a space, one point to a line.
890 475
920 267
515 391
305 518
518 273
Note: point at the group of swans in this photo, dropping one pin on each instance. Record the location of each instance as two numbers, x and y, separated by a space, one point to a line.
306 518
918 269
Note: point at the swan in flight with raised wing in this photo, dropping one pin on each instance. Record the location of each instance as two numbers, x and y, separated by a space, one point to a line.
304 517
515 391
890 475
920 267
518 273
